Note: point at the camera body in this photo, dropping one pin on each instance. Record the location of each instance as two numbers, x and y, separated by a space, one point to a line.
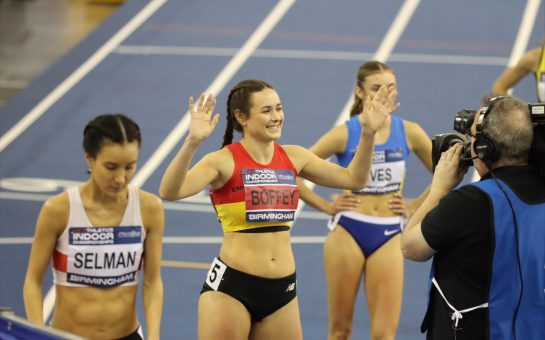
483 146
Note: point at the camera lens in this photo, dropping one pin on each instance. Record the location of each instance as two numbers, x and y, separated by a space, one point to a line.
463 121
441 143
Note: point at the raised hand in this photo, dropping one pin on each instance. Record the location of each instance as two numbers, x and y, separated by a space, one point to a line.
202 123
377 109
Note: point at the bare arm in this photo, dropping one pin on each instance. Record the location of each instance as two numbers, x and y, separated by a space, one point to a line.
512 75
333 142
174 184
447 176
152 290
51 221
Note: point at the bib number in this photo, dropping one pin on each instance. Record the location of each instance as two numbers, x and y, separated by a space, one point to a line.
215 274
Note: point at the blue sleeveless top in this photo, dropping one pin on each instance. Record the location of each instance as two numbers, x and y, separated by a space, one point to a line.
388 169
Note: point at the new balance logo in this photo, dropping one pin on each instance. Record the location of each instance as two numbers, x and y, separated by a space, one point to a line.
390 232
291 287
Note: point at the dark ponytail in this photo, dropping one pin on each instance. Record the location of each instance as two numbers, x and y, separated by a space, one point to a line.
365 70
239 99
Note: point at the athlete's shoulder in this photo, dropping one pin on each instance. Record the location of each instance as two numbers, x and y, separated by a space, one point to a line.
58 204
149 201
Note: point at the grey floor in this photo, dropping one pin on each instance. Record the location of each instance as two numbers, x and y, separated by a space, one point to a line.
36 33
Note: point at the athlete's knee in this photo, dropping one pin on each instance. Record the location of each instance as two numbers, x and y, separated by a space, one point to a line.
340 331
383 333
223 331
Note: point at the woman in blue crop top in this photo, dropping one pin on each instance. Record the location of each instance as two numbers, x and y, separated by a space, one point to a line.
366 224
99 235
250 289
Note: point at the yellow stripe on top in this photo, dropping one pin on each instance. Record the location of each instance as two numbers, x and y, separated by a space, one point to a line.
233 218
540 77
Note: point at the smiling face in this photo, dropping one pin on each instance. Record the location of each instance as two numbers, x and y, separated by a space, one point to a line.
114 166
266 116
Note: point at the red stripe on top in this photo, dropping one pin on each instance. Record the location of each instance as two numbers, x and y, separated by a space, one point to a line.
233 190
59 261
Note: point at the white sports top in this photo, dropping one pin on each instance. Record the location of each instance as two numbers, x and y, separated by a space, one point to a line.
99 256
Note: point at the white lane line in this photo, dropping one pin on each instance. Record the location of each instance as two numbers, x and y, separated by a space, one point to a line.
167 240
525 30
217 85
15 240
519 47
310 54
185 205
79 73
398 27
383 53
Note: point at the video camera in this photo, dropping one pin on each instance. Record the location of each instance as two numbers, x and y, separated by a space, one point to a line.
463 121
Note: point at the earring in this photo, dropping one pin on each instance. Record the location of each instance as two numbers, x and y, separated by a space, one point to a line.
88 171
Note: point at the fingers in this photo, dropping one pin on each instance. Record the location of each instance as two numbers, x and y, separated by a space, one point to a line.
201 101
206 104
397 205
191 104
346 201
453 153
215 121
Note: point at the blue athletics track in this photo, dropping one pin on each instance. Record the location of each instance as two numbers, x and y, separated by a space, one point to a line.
150 56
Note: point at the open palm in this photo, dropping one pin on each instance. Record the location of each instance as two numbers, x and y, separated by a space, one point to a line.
376 110
202 124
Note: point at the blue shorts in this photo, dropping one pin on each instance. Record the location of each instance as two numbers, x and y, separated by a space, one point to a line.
370 232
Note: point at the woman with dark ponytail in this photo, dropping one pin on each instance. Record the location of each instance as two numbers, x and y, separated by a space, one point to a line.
99 236
250 289
366 223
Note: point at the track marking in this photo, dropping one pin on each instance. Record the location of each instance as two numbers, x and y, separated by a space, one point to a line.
310 54
185 264
79 73
177 240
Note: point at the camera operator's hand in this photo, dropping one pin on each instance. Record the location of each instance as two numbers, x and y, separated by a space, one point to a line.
448 173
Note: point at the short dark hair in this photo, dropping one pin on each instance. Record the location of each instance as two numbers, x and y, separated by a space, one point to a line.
115 127
509 125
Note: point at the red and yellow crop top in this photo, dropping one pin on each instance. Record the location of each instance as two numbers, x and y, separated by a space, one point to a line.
257 195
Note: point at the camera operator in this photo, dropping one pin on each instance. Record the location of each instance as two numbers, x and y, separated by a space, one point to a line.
487 238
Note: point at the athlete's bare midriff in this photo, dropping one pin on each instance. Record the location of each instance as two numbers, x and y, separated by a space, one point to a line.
375 205
262 254
96 313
